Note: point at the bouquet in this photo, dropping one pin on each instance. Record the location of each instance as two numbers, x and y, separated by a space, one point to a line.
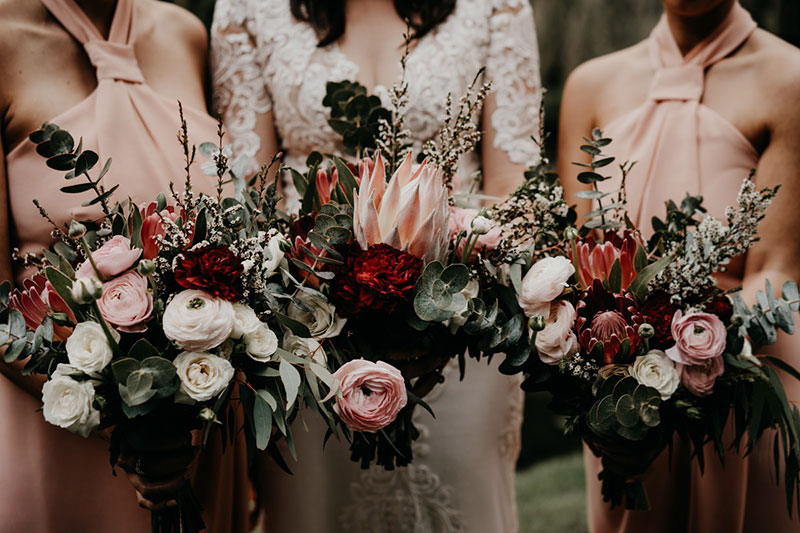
636 342
156 320
402 265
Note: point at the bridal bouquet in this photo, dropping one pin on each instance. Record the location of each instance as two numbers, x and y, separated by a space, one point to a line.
636 342
150 319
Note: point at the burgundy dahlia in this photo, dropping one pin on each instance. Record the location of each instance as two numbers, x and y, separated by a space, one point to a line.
609 319
214 269
657 311
380 278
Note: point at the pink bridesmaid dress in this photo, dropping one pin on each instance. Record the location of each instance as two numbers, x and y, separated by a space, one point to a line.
53 480
682 146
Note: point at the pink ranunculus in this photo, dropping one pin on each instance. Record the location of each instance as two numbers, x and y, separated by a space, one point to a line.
372 394
700 379
153 227
126 303
698 338
114 257
461 220
557 340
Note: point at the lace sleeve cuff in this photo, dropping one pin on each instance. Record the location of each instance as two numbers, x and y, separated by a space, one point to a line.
513 67
237 65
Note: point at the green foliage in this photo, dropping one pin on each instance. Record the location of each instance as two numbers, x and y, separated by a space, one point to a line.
624 408
769 314
355 115
438 295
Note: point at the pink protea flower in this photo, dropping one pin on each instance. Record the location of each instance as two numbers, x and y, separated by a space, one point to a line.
610 319
328 179
596 259
153 226
38 299
410 214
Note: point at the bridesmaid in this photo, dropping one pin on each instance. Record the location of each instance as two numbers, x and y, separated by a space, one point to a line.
703 100
110 71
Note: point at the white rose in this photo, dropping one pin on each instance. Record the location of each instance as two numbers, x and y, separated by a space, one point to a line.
321 318
245 321
557 340
197 321
87 289
747 353
543 283
304 347
470 291
261 343
68 404
88 349
203 376
276 255
656 370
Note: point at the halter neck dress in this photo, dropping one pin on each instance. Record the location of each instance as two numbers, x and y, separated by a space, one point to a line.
54 480
681 146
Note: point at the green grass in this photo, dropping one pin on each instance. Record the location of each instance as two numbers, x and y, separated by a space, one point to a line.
551 497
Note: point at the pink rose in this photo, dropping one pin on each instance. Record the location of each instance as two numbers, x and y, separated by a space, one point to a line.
698 338
126 303
115 256
700 379
153 227
461 220
557 340
371 395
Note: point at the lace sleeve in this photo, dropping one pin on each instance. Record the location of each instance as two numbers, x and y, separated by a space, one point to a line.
237 65
513 67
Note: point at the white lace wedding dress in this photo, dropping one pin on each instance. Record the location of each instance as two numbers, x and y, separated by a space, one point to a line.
264 61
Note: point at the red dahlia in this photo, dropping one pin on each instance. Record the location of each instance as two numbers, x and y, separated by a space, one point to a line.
214 269
379 278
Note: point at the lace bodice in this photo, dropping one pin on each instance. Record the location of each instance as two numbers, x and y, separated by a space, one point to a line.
264 60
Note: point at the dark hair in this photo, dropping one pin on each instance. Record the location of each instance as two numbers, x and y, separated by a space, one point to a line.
327 16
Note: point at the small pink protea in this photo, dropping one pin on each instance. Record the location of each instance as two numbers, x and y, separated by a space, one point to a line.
38 299
609 319
596 259
410 213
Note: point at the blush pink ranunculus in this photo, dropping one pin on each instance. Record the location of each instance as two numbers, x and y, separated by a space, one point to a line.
698 337
700 379
372 394
126 303
114 257
461 220
557 340
153 227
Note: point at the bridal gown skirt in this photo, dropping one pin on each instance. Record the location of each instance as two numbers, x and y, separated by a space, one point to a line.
462 478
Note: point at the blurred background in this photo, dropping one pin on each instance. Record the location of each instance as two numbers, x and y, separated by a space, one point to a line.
550 483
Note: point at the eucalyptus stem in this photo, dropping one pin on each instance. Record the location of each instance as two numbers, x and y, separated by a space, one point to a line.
88 253
106 329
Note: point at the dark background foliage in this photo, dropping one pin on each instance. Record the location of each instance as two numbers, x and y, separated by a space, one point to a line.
569 33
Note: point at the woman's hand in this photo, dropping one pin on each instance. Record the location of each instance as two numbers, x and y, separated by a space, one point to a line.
158 474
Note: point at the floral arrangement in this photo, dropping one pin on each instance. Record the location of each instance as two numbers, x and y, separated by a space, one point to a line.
636 342
150 319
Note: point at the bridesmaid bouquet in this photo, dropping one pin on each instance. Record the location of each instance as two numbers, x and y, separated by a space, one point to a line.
150 319
636 342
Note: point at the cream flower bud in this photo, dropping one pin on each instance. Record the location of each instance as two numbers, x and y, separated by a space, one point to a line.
86 290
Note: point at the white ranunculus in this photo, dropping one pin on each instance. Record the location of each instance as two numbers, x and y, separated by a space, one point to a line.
557 340
88 349
320 318
276 255
656 370
543 283
304 347
245 321
69 404
196 321
747 353
203 376
470 291
87 289
262 343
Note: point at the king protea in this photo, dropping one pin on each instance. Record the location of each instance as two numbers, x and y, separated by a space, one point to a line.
410 213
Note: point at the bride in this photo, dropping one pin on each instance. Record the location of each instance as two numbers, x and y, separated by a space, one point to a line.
271 61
